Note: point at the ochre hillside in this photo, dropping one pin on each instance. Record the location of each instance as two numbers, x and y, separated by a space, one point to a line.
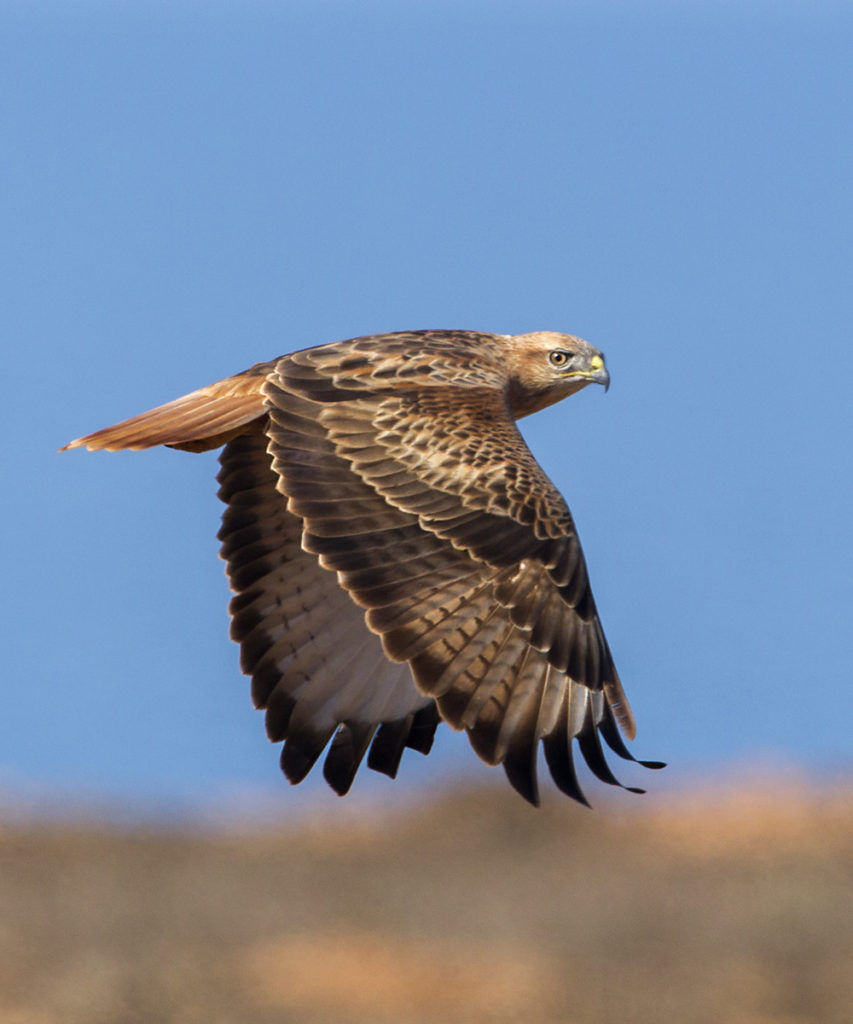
735 909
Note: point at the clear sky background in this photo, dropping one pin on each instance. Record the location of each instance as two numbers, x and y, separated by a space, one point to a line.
188 188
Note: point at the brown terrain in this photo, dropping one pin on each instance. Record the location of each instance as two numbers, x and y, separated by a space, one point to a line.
474 908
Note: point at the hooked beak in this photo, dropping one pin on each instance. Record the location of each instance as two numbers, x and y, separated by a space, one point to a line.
596 374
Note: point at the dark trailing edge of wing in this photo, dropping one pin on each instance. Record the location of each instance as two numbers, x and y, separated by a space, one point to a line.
557 746
385 745
609 730
350 742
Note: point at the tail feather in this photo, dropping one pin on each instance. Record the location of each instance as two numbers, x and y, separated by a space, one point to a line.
197 422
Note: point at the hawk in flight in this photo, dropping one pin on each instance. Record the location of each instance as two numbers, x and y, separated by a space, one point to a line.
398 556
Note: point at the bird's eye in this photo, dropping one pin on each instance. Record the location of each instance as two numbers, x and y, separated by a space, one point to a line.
559 357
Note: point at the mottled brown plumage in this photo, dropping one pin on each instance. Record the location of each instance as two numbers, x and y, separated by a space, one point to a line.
399 557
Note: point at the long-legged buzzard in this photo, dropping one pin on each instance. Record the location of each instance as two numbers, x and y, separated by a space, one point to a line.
399 557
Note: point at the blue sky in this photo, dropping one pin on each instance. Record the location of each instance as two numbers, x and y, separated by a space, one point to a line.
190 188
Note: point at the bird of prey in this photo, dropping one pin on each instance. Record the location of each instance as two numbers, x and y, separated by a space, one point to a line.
399 558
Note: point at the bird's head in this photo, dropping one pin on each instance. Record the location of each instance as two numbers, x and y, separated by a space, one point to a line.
545 367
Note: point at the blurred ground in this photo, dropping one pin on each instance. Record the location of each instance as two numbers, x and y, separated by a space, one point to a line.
727 908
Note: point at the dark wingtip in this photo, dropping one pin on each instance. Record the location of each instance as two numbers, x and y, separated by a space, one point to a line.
340 765
607 728
558 755
519 765
523 780
386 750
301 750
590 747
295 762
422 732
346 754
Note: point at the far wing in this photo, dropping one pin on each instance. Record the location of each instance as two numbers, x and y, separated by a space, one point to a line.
315 667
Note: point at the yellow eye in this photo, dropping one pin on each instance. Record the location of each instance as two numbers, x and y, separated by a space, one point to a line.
559 357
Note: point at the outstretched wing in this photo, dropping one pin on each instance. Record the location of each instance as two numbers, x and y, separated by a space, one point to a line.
429 507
